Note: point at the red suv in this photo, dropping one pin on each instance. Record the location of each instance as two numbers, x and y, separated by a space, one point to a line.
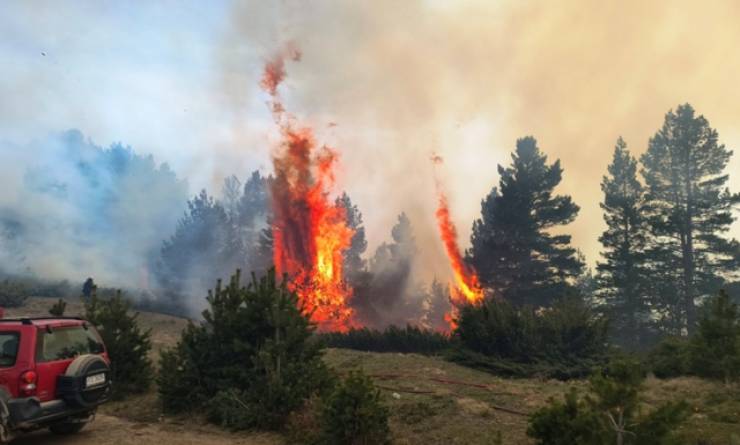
54 372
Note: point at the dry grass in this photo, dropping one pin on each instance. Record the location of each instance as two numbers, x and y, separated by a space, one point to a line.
442 403
437 402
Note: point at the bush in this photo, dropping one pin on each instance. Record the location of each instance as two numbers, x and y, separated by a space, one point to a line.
57 310
127 345
564 341
250 363
609 413
565 423
670 358
714 350
354 415
513 368
12 293
393 339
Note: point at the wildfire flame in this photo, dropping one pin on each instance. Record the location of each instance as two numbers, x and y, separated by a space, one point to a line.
310 232
466 287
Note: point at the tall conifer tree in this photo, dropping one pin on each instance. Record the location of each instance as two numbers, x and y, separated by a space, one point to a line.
621 274
353 260
514 249
689 210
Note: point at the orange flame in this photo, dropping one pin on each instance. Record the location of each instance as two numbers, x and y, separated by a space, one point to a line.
310 232
466 288
467 285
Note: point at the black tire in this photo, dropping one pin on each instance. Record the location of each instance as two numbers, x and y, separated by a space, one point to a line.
66 428
71 385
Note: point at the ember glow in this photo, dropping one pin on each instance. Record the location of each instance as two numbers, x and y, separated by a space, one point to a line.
310 232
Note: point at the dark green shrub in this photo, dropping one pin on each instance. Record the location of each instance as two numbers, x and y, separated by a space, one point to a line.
181 380
500 329
507 367
572 331
127 345
611 412
57 310
568 422
714 350
393 339
13 293
670 358
250 363
564 341
354 415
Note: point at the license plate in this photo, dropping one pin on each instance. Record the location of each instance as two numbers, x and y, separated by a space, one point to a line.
93 380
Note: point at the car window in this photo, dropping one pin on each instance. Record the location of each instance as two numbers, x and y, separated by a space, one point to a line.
8 348
67 342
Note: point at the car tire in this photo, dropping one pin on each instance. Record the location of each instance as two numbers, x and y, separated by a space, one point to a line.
66 428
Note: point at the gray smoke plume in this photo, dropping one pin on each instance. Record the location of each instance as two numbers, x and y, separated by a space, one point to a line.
70 209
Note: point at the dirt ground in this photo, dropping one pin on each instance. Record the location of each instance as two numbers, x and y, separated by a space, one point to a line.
111 430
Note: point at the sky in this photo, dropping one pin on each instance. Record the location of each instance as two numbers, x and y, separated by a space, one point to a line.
401 81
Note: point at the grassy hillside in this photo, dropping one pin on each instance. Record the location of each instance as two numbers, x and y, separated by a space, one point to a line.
441 402
433 401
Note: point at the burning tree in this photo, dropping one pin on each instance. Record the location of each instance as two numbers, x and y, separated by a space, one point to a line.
310 231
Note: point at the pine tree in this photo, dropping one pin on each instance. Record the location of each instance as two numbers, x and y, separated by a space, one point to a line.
622 273
262 257
250 362
689 209
355 414
230 195
381 293
250 220
127 345
610 413
204 245
404 243
715 349
353 260
513 248
438 306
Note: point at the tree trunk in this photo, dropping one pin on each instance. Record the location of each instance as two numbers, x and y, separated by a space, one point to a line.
688 255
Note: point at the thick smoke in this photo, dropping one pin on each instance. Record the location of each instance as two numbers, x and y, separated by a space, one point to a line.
385 292
70 209
399 79
465 79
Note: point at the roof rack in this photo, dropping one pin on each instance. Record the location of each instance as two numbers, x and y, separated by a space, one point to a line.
29 320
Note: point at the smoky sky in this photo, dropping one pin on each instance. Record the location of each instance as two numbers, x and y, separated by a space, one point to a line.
401 80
